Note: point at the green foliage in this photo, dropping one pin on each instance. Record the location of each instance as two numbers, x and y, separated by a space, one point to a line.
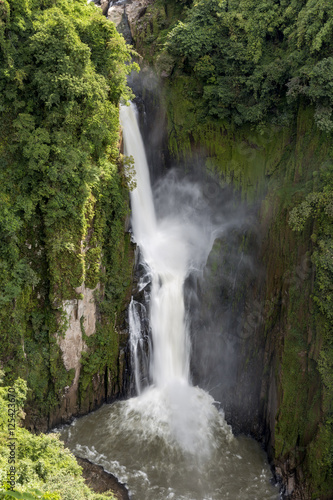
114 272
63 72
128 168
60 116
318 207
30 494
253 62
313 213
44 468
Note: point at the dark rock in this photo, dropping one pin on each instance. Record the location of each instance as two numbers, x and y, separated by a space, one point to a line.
104 6
101 481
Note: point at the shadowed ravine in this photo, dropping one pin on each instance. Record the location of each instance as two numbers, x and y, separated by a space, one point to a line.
170 442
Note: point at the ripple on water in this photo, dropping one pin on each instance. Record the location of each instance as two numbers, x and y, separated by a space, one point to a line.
172 443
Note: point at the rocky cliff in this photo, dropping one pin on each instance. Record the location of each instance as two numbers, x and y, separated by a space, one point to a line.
260 331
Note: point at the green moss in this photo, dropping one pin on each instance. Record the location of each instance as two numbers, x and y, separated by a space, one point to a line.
320 460
297 327
114 270
102 355
280 163
151 30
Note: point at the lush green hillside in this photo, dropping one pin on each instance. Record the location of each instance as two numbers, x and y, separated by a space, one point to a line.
246 61
63 192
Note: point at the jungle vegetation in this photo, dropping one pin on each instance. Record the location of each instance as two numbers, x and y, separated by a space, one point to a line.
44 468
236 73
63 203
63 191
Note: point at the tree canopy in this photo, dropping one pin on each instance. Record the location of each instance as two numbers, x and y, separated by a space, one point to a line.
63 71
253 61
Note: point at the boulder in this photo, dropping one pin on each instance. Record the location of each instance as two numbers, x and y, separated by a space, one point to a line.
115 14
135 9
104 6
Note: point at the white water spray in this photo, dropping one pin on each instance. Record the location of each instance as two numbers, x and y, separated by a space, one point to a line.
169 247
164 248
136 337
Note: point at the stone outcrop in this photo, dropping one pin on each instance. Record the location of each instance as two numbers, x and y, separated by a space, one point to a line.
80 317
126 14
135 10
103 4
101 481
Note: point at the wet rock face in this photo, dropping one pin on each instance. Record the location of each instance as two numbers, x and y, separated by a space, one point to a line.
103 4
116 13
135 9
227 354
71 343
101 481
125 14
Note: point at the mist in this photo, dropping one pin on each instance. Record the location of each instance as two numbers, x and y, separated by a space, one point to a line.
220 235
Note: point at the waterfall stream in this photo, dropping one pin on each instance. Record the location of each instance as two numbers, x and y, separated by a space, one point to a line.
170 441
164 249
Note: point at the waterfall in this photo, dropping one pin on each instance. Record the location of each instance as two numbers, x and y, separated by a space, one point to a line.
169 245
135 341
170 441
164 249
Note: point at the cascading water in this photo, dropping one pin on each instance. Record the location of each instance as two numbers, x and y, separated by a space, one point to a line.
164 249
135 341
169 442
167 248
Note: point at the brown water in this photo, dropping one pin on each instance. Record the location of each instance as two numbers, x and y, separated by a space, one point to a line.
137 441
